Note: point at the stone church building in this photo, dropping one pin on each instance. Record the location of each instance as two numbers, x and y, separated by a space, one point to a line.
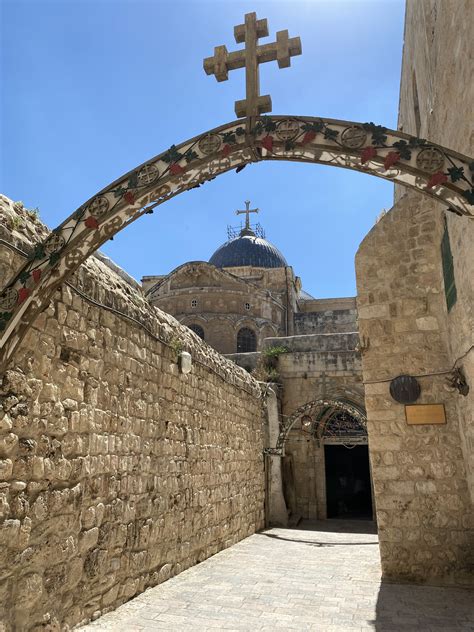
133 446
248 304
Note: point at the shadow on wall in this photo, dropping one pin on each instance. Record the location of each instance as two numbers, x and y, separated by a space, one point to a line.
409 607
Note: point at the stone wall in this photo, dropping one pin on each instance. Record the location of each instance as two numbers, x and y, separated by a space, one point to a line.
327 321
314 366
423 508
437 83
117 471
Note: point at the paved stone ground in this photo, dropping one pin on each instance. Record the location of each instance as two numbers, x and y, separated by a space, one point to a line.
323 576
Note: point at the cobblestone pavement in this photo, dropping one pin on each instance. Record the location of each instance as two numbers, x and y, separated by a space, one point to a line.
324 576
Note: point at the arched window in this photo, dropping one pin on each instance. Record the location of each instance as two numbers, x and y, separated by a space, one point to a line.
198 330
246 340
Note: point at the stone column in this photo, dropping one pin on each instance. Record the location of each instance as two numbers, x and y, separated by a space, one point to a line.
277 513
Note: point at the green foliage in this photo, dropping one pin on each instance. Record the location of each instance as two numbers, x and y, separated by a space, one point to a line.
17 222
33 213
266 369
274 352
177 346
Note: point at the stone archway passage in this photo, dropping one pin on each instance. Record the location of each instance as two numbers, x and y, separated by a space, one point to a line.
330 403
433 170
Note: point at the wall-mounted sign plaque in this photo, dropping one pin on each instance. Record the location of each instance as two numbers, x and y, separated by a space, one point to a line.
425 414
405 389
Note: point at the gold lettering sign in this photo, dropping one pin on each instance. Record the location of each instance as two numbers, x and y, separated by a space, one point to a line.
425 414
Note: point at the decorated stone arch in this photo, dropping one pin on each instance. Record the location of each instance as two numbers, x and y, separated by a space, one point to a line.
328 418
435 171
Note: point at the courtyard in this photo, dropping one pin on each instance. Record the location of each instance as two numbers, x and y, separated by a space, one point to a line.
321 576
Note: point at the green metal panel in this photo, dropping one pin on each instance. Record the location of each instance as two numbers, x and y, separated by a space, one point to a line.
448 270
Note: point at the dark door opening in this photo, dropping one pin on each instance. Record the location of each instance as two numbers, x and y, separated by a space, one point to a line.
348 489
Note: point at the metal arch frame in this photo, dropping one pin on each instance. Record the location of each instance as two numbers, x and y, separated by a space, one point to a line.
384 153
332 402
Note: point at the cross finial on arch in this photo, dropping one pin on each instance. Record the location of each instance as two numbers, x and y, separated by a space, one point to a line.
250 58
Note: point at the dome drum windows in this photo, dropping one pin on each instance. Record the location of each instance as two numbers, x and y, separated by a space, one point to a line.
197 329
194 303
247 306
246 341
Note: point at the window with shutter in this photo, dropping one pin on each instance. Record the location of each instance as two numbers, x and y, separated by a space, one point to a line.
448 270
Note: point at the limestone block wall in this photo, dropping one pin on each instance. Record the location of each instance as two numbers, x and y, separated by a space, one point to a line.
320 316
423 507
315 366
326 322
437 102
116 470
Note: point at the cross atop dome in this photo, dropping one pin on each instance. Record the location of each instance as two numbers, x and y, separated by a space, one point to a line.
247 230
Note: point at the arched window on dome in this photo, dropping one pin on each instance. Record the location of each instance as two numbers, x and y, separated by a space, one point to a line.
198 330
246 340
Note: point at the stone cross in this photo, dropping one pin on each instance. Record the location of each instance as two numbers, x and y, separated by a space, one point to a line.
247 212
282 50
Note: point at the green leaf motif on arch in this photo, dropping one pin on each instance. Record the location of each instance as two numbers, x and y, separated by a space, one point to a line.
313 127
330 134
456 173
379 136
469 195
190 155
172 155
403 149
4 318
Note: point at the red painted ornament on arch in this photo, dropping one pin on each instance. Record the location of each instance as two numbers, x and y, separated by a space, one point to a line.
391 159
367 154
36 274
437 178
23 294
176 169
91 222
267 142
308 137
129 197
225 151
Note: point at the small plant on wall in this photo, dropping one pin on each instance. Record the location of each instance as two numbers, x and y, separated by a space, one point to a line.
267 365
177 346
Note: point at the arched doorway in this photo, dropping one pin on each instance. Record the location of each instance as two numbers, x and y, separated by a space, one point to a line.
325 461
348 482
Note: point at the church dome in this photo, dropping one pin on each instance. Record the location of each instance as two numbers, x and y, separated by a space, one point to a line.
248 250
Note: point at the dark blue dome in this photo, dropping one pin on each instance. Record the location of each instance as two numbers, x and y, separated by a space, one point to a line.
248 250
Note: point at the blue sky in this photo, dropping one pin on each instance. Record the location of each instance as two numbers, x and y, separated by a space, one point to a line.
91 88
